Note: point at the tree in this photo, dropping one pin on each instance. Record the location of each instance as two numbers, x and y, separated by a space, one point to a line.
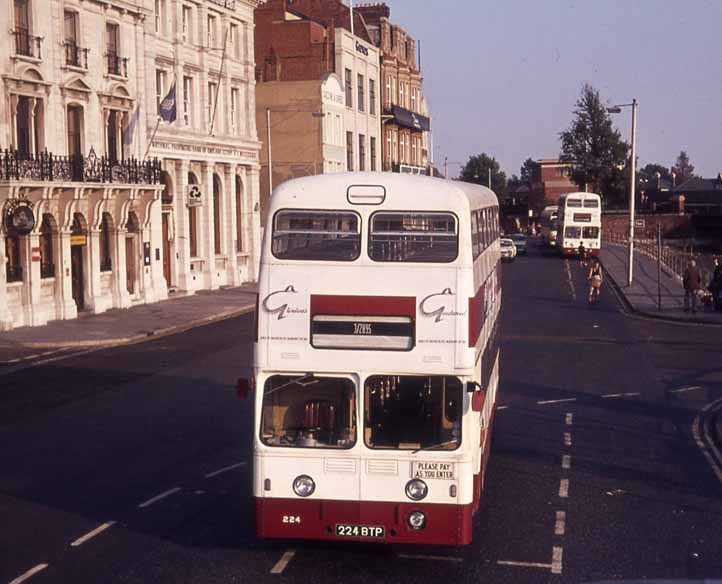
683 168
476 170
648 173
594 148
527 171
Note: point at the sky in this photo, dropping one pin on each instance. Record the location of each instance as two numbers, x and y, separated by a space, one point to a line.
502 76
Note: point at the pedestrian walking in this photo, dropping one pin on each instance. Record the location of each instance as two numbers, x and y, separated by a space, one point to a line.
582 255
692 281
715 285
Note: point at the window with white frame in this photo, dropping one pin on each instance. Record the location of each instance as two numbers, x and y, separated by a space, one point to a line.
160 79
413 99
212 23
212 92
402 148
389 146
234 110
233 40
158 14
414 151
188 101
387 97
372 97
402 102
187 24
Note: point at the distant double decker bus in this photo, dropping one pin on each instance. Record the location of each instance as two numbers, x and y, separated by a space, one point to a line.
376 363
548 221
580 221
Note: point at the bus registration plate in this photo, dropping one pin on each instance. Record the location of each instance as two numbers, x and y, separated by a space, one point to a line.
370 531
433 470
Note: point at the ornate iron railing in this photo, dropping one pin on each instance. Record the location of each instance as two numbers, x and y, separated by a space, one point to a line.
27 44
117 65
75 56
92 168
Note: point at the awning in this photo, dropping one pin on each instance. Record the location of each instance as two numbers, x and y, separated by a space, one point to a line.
408 119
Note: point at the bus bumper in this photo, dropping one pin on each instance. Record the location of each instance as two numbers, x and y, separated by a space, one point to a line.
569 252
317 519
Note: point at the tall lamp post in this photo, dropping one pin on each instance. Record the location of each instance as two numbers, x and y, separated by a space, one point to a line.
616 109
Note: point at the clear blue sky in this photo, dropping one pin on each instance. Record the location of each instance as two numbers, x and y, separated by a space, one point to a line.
502 76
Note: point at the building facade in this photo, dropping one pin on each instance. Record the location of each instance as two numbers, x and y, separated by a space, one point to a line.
306 54
406 123
551 180
88 209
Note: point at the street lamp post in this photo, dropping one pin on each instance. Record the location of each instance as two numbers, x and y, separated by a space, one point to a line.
632 183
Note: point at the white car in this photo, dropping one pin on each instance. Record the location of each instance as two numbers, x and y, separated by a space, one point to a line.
508 249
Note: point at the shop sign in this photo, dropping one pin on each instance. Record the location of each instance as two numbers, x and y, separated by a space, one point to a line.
362 49
19 216
78 239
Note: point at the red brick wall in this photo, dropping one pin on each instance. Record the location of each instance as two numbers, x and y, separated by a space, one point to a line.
673 226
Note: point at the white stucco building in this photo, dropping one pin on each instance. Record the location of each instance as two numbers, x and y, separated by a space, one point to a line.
88 221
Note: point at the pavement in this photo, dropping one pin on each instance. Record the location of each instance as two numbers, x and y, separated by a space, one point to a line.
134 464
643 296
121 326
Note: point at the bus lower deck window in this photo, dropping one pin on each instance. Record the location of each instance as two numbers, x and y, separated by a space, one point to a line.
413 237
412 412
309 412
316 235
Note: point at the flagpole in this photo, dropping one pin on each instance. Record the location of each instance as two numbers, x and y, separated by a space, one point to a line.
220 80
150 142
350 11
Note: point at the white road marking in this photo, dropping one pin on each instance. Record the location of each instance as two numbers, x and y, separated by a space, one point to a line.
564 488
215 473
569 279
610 395
92 534
435 558
29 573
567 439
560 524
713 456
567 461
556 401
569 418
685 389
524 564
283 562
501 407
557 560
157 498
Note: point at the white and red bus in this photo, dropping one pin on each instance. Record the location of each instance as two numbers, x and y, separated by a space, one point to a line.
548 221
376 362
580 221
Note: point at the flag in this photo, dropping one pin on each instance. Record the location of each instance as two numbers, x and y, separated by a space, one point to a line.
167 109
129 129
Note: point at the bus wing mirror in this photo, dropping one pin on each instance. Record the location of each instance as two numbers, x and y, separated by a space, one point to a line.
472 386
243 388
477 400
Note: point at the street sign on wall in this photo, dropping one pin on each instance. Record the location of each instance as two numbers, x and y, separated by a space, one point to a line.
195 195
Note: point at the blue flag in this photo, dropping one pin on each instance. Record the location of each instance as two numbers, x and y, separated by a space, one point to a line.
167 109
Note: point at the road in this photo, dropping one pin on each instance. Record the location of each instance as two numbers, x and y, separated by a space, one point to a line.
133 464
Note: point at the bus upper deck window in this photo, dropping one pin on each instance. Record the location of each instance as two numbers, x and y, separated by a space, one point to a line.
576 203
316 235
413 237
591 203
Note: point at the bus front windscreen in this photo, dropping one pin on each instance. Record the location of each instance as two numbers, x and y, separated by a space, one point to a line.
410 412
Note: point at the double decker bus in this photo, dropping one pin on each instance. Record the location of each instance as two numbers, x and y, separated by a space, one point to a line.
580 221
548 222
376 362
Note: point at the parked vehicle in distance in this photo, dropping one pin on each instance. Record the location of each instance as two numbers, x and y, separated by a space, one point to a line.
548 222
508 250
519 240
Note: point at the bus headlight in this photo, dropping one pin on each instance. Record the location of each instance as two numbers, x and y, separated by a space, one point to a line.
416 489
417 520
303 486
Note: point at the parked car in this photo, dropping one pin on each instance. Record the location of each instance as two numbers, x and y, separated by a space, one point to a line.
519 240
508 250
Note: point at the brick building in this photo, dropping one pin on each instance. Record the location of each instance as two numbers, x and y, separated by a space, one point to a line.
550 180
302 41
406 124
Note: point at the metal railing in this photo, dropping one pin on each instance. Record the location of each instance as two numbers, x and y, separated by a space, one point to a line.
117 65
75 56
27 44
92 168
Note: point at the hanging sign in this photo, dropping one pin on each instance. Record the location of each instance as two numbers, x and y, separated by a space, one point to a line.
19 216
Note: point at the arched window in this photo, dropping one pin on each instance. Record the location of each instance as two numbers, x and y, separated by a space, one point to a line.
47 261
106 263
217 214
13 269
192 221
239 214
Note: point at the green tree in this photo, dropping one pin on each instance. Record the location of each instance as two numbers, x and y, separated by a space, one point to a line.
648 174
476 170
527 171
594 148
683 168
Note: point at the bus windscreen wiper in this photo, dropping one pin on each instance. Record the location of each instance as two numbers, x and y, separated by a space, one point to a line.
434 446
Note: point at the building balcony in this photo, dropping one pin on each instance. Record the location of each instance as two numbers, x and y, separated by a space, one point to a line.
117 65
75 56
88 169
27 45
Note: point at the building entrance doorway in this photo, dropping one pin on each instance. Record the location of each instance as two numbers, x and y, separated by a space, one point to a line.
166 249
130 264
76 260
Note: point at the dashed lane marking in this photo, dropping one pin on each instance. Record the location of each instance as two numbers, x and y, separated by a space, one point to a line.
157 498
524 564
611 395
31 572
685 389
556 401
557 559
569 418
560 524
91 534
215 473
569 280
502 407
567 461
564 488
283 562
426 557
567 439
